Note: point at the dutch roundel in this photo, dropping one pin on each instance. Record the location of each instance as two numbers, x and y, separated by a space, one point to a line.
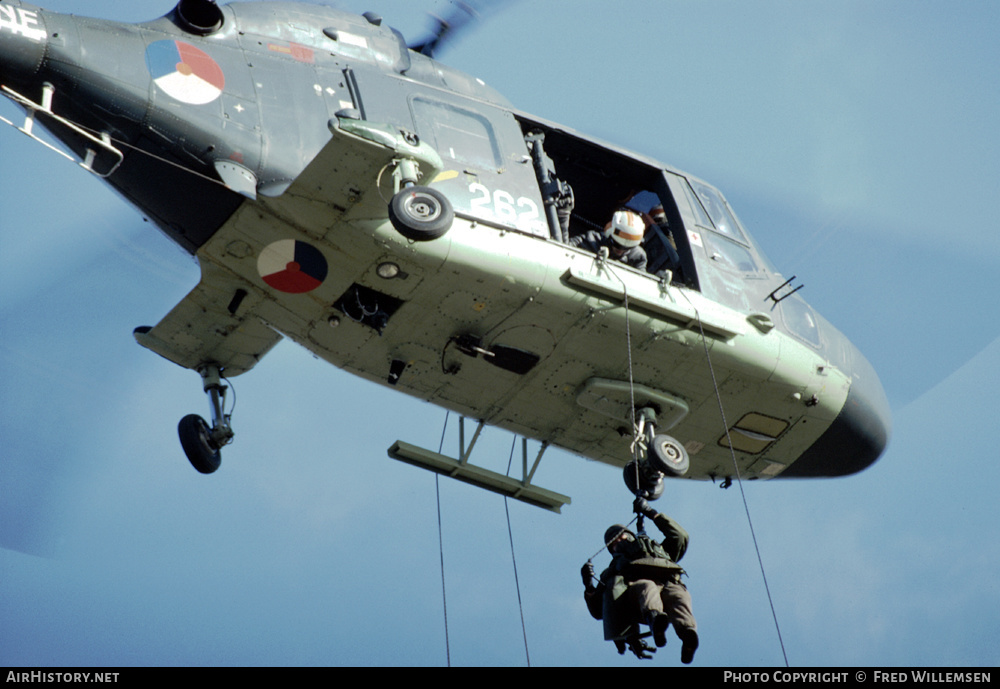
292 266
184 72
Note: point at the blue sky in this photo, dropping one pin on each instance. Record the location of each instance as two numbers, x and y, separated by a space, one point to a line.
857 142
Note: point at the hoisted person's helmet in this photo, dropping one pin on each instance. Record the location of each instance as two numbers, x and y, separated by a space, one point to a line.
625 229
614 531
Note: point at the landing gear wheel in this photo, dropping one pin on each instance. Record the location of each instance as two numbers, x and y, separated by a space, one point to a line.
197 442
421 213
668 456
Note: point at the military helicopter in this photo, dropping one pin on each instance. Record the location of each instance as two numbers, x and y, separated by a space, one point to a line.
403 221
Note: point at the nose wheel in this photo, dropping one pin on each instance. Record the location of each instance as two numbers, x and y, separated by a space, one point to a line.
202 443
659 455
668 456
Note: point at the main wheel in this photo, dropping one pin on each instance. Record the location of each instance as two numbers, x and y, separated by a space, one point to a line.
668 456
197 443
421 213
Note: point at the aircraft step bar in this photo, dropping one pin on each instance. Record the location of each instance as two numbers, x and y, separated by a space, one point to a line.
461 470
45 107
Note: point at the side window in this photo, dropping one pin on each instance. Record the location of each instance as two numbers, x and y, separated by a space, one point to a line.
731 255
725 243
459 134
800 320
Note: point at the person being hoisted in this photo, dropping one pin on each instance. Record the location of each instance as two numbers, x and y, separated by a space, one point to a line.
642 585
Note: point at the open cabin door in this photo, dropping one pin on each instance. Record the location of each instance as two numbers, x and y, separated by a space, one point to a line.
487 176
604 180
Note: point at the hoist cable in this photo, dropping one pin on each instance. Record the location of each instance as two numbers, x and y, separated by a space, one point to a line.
510 535
444 595
739 479
631 382
631 392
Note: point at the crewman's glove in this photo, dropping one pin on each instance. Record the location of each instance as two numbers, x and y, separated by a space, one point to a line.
587 572
642 507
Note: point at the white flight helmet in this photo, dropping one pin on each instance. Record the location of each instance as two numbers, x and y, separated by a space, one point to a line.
625 229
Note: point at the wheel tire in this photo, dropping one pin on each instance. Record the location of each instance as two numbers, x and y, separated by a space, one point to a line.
668 456
197 443
421 213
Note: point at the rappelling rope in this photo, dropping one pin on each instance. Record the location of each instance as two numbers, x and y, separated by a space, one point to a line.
517 583
739 480
510 535
444 595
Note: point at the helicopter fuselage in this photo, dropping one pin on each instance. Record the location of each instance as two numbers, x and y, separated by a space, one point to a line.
264 139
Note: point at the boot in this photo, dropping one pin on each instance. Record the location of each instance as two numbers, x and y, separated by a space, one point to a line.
689 637
659 625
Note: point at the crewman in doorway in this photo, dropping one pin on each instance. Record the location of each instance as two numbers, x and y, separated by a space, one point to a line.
622 236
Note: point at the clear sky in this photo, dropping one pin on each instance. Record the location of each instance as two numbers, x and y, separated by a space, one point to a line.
857 140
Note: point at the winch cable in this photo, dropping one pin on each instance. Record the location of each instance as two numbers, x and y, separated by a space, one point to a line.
631 381
444 594
631 393
631 390
739 479
732 451
510 535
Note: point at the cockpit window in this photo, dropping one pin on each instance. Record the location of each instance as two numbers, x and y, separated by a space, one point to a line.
722 219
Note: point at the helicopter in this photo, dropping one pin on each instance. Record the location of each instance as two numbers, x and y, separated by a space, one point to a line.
401 220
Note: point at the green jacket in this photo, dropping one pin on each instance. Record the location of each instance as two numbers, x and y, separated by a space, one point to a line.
642 558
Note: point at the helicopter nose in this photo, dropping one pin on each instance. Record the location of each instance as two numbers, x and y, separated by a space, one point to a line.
857 437
23 37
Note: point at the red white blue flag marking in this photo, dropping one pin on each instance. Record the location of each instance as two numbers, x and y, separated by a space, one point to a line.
292 266
184 72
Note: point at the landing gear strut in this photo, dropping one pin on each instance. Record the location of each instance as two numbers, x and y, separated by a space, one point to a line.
658 455
203 443
418 213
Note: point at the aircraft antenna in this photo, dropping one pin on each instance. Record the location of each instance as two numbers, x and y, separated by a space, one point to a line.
739 480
